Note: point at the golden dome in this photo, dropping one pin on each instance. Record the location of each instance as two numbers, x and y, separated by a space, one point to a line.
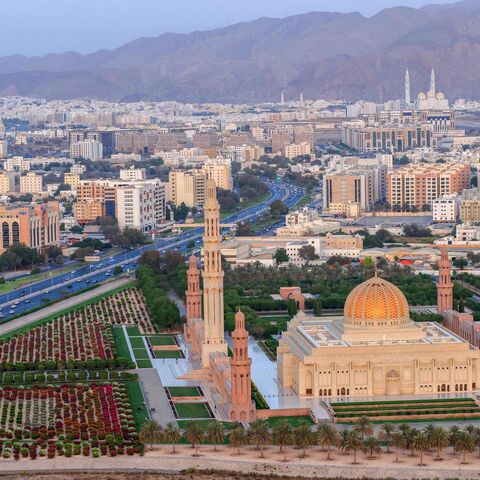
376 302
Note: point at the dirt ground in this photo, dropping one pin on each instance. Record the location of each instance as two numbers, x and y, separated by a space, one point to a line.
194 475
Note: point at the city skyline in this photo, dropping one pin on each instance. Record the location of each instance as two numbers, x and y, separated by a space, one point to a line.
52 27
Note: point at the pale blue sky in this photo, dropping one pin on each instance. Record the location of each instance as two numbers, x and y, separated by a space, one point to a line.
37 27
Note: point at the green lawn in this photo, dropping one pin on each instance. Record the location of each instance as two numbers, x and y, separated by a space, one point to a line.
167 354
280 318
293 421
144 363
135 396
192 410
133 332
203 424
74 308
158 340
140 353
184 391
121 343
137 342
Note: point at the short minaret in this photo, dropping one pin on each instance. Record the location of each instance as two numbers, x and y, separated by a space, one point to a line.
241 407
214 340
407 87
445 285
193 294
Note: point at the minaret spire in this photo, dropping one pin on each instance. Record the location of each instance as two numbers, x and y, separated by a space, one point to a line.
214 340
407 87
445 285
432 83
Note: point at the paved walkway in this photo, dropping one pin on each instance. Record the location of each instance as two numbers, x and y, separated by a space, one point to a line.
180 303
59 306
155 396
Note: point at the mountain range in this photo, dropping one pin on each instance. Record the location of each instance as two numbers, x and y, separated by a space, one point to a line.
325 55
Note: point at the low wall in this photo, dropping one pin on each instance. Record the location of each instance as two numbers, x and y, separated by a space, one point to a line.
284 412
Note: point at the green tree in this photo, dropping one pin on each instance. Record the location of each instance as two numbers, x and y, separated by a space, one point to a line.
307 253
465 444
364 427
327 437
215 433
172 435
439 440
150 433
117 270
386 434
398 441
283 436
352 442
304 437
453 436
238 438
281 256
259 432
460 263
371 447
421 444
278 208
292 308
194 434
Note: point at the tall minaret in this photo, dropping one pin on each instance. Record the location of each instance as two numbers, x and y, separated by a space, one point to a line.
193 294
241 406
432 83
282 99
407 87
214 340
302 102
445 285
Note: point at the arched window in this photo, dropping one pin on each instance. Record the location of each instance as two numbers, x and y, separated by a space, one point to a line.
5 235
15 233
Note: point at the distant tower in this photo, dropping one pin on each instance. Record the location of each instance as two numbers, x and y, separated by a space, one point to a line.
302 102
282 99
241 407
432 83
214 339
407 87
445 285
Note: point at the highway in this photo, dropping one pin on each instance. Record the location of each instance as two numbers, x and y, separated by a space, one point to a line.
58 287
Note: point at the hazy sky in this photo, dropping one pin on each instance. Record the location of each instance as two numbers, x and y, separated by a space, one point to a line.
36 27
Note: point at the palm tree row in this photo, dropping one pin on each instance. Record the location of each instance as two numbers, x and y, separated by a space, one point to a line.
360 438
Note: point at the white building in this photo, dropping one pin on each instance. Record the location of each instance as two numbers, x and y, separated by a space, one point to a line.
88 149
467 232
446 209
16 164
133 174
125 157
78 169
301 216
140 205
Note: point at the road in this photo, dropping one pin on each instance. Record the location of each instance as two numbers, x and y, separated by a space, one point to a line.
62 305
37 294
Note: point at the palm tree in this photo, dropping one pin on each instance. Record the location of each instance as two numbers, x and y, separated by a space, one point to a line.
364 427
469 428
410 436
421 444
398 441
476 439
283 436
386 434
428 430
454 434
327 436
172 435
238 438
150 433
439 440
371 447
194 434
215 433
343 438
464 444
303 437
259 432
353 442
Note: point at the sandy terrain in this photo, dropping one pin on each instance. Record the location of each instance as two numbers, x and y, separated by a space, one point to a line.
160 464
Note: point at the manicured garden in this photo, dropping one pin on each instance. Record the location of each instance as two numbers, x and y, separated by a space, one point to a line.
192 410
411 410
184 391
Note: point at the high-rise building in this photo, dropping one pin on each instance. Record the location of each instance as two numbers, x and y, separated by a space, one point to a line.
187 187
407 87
219 170
7 183
36 226
31 183
72 179
297 149
16 164
87 149
133 174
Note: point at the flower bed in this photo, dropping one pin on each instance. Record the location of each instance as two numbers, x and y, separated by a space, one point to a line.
83 334
67 420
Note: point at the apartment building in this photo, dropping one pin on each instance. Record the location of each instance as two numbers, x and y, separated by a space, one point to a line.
445 209
79 169
420 184
87 149
387 138
187 187
72 179
297 149
16 164
36 226
220 170
31 183
7 183
133 174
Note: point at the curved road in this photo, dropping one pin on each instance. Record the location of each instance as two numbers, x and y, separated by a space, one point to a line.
36 294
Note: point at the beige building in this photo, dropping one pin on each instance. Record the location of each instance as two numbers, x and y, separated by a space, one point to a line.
7 183
298 149
72 179
187 187
220 171
133 174
374 349
31 183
